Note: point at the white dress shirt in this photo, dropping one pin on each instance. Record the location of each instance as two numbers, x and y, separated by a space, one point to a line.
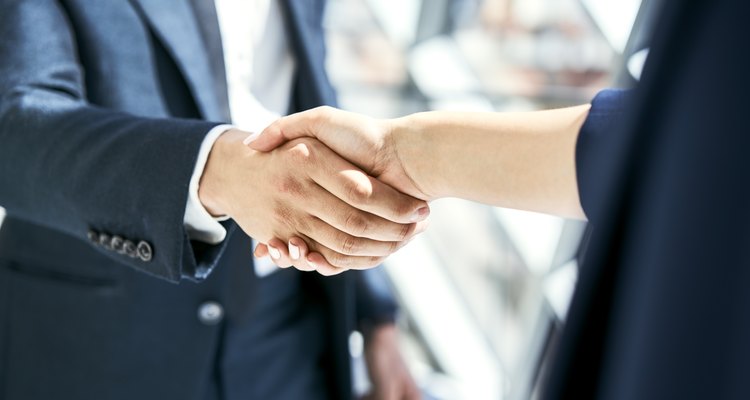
259 70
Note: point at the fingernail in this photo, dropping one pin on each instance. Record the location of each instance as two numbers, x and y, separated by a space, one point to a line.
275 253
293 251
312 264
420 214
251 138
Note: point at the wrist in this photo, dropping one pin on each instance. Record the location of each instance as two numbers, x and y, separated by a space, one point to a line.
212 190
411 142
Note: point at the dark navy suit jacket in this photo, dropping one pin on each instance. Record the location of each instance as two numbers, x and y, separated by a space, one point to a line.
662 307
103 107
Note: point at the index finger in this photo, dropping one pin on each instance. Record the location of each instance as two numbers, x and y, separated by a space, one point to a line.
284 129
350 184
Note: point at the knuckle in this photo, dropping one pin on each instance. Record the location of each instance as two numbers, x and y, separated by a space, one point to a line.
404 234
311 149
356 224
359 194
299 153
310 144
286 217
339 260
335 259
350 245
291 186
304 223
345 262
404 208
282 213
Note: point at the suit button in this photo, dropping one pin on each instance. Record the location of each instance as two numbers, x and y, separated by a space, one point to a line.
129 248
210 313
105 240
93 236
118 244
145 253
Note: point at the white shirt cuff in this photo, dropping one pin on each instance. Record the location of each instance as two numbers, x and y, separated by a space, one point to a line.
199 224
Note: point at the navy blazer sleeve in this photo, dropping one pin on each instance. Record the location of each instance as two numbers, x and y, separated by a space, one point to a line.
605 116
68 165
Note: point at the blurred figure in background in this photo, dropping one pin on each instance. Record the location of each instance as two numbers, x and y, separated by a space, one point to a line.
661 306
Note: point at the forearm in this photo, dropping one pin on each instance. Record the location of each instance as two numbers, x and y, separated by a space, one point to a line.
77 168
516 160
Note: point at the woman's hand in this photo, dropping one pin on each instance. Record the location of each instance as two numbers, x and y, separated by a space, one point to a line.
371 144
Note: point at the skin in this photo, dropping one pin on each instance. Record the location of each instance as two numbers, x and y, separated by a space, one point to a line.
516 160
305 190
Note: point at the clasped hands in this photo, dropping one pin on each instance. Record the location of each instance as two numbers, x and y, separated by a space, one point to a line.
320 190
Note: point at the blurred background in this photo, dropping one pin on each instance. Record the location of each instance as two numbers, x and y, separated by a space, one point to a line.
485 290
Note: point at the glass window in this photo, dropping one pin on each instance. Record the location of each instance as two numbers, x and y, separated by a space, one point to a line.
484 288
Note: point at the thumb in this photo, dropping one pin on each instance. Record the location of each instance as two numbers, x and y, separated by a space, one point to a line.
270 138
287 128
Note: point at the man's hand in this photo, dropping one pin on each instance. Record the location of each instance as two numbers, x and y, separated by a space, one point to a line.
369 143
389 375
303 189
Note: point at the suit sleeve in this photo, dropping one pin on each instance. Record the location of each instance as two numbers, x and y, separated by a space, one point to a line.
375 302
71 166
605 118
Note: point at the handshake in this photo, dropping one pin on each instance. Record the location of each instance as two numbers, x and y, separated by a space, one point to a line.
322 190
329 190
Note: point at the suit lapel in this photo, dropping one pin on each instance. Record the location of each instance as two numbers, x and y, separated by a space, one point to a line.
174 23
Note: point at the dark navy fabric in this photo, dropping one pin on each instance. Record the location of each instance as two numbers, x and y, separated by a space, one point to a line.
103 106
661 308
607 115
